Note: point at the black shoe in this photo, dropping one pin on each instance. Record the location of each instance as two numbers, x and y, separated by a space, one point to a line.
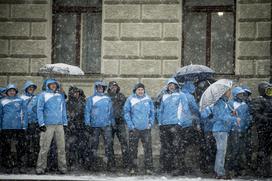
22 170
63 172
177 172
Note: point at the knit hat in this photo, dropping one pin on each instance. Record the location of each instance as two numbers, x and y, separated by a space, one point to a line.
139 85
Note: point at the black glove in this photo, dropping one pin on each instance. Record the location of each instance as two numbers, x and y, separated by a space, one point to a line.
42 128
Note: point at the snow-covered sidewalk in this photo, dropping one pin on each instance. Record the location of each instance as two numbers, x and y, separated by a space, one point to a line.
104 177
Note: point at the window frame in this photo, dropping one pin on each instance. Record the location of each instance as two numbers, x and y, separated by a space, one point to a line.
209 10
78 10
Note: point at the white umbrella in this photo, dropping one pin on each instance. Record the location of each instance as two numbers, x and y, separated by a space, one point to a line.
214 92
61 68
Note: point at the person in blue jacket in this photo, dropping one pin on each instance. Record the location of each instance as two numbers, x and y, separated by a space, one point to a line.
139 115
13 123
30 100
238 135
99 117
172 103
51 113
224 120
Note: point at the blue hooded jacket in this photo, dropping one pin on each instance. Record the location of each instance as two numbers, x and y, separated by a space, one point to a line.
98 109
188 89
241 109
172 105
2 90
13 111
31 102
206 119
139 112
222 116
51 106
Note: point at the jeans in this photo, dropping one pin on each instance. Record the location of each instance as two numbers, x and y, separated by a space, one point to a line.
120 131
145 137
221 139
108 144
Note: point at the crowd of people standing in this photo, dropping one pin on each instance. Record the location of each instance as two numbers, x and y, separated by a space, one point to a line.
69 128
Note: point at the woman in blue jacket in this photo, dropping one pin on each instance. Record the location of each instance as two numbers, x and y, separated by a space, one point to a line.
13 123
99 117
173 110
223 123
30 100
139 116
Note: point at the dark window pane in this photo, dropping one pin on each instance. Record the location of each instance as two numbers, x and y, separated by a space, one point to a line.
65 38
96 3
91 50
195 38
209 2
222 42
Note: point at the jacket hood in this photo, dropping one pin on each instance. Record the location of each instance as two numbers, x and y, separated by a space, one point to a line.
262 87
12 86
246 89
51 81
112 83
188 87
28 84
237 90
172 80
101 83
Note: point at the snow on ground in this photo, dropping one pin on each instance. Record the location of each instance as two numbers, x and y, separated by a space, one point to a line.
104 177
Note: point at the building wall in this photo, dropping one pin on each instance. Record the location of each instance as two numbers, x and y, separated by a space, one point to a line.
253 41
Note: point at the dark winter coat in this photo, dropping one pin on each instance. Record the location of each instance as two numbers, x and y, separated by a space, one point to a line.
118 102
262 109
75 109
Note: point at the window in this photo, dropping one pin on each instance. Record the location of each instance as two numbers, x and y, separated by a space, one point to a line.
208 34
77 33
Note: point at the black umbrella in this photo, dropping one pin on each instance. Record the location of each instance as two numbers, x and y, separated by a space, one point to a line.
193 73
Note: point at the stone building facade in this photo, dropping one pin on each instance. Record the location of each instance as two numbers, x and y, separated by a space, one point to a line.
141 42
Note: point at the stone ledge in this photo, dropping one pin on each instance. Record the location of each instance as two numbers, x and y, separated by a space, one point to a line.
253 1
141 2
140 57
253 57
